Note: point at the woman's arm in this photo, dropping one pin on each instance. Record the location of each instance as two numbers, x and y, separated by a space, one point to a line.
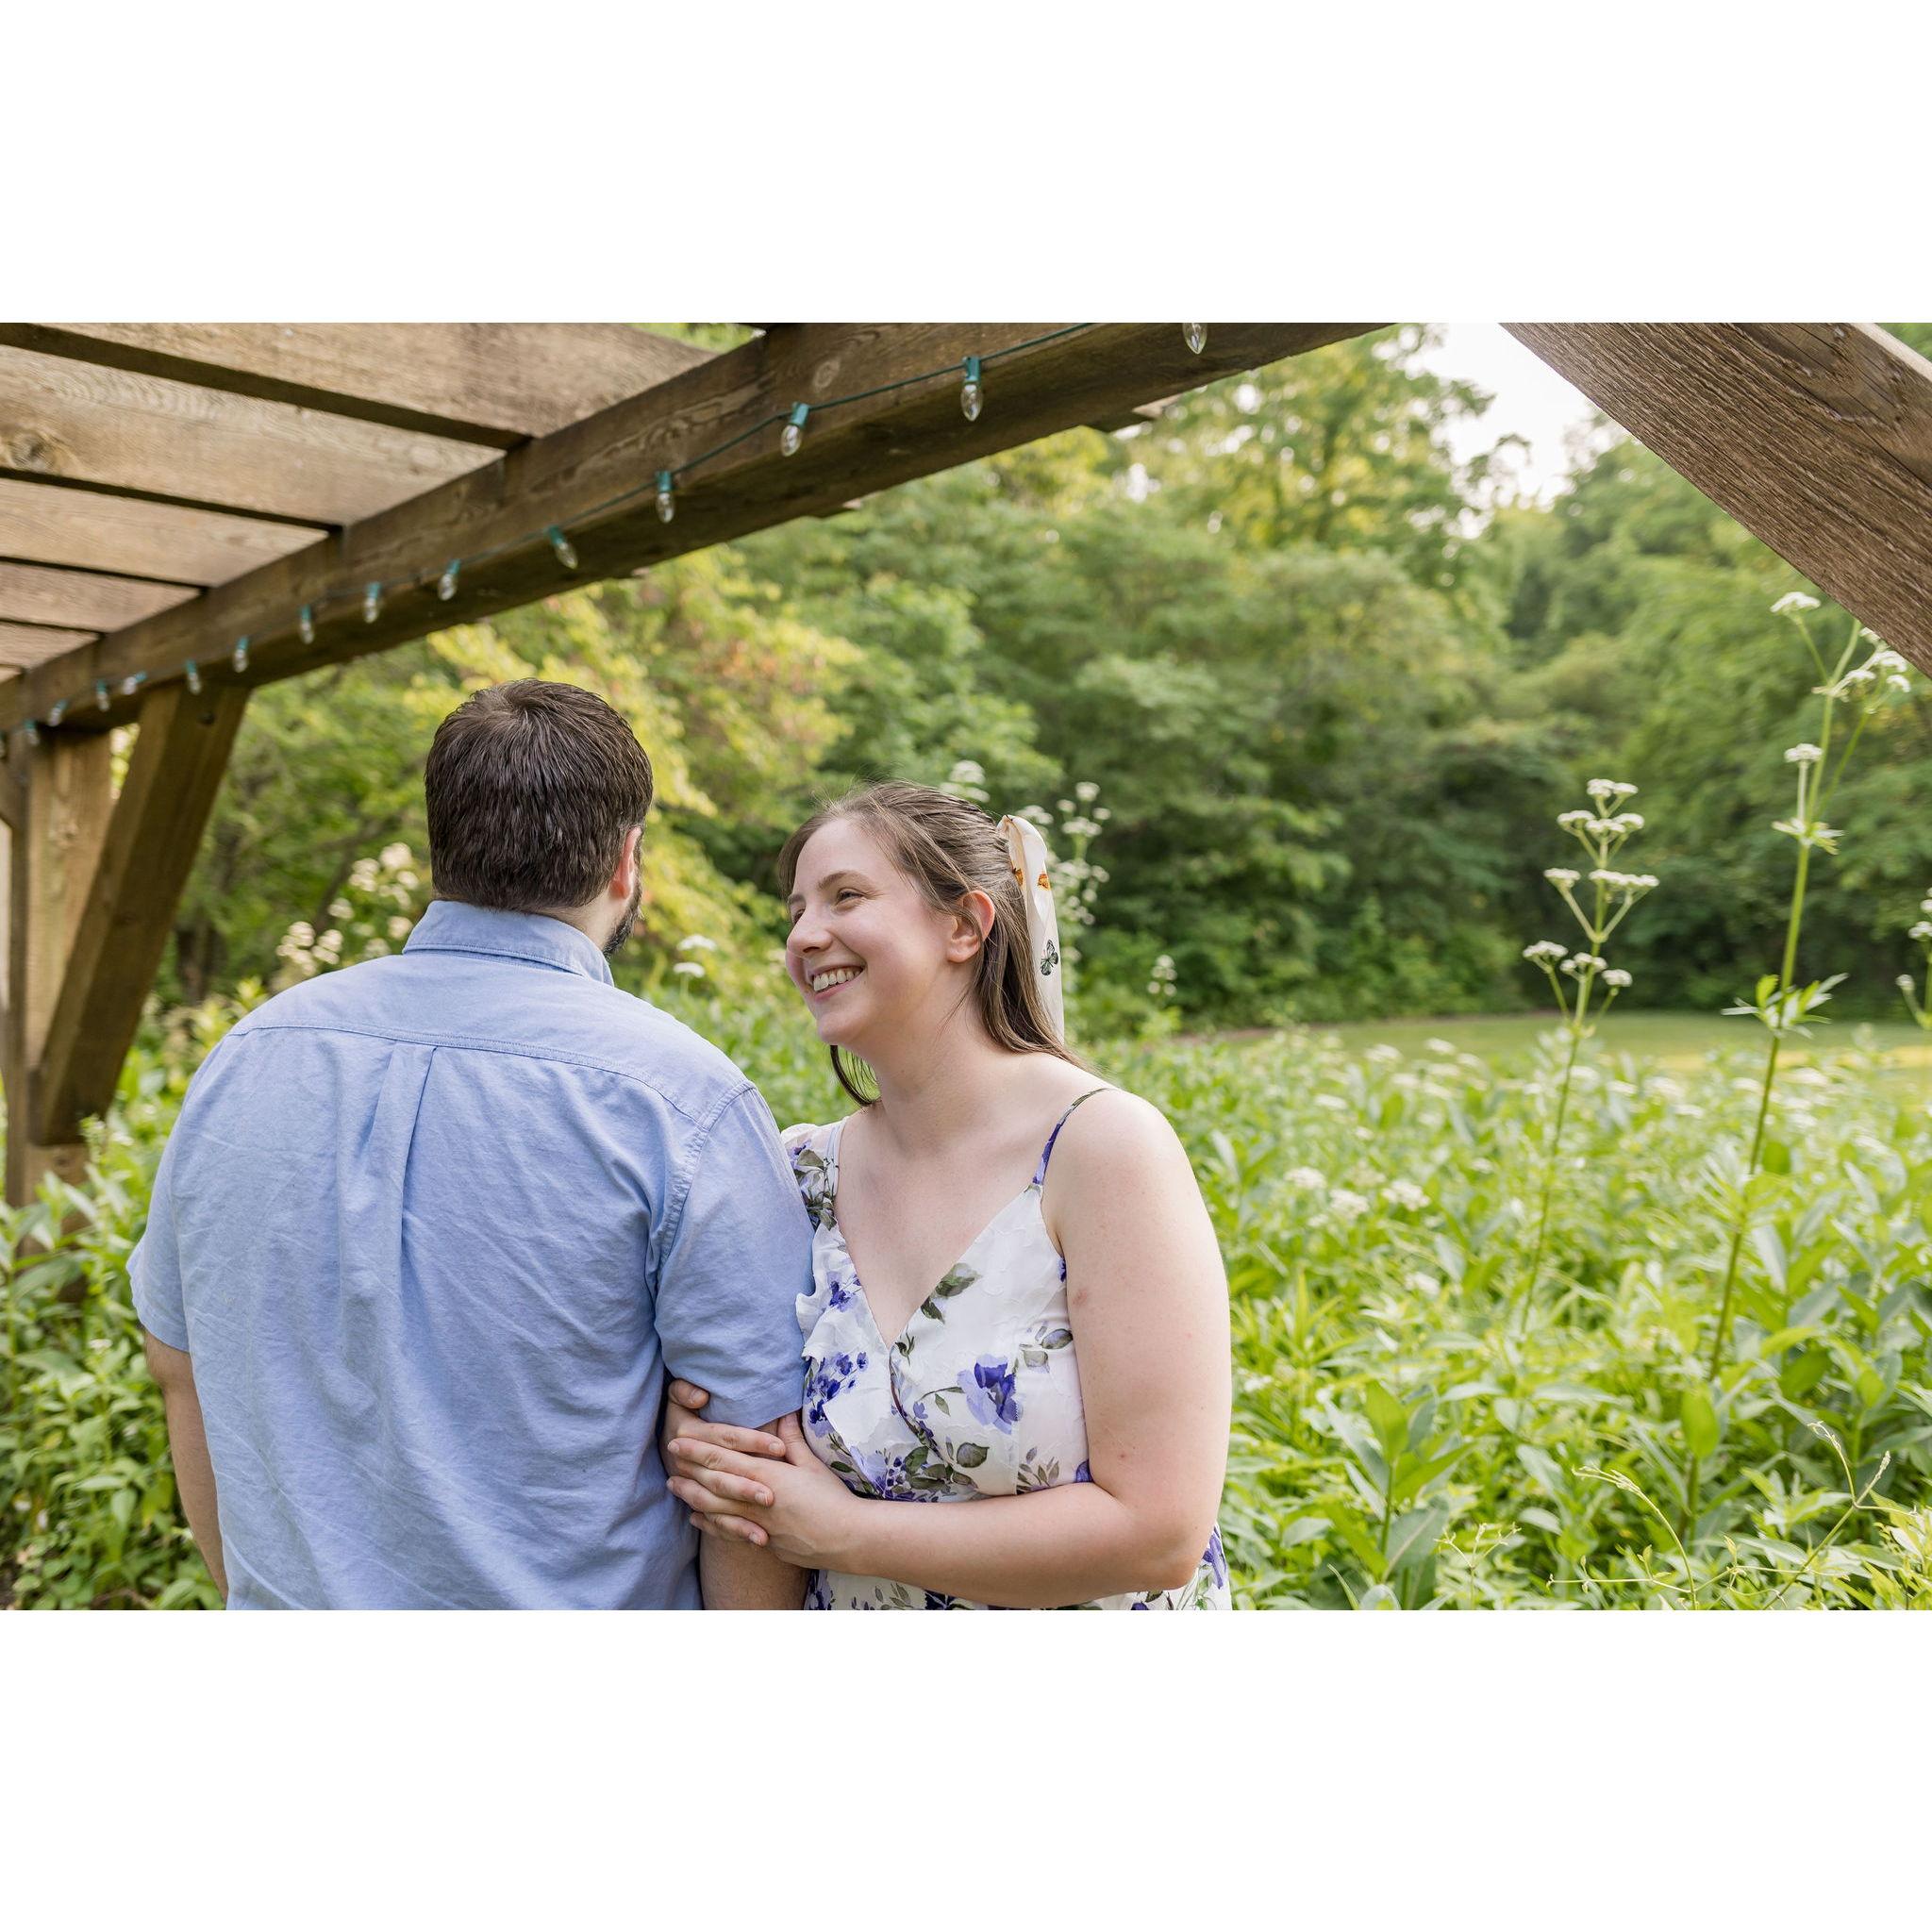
1147 1302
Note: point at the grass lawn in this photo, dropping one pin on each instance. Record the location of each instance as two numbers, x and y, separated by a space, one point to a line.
1676 1041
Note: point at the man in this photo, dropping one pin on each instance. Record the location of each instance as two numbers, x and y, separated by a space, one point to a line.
430 1232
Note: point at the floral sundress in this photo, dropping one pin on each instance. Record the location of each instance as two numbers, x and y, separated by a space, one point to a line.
978 1396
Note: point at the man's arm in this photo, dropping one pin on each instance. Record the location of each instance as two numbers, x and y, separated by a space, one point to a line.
743 1576
194 1474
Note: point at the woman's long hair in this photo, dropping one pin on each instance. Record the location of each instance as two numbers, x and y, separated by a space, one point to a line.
948 848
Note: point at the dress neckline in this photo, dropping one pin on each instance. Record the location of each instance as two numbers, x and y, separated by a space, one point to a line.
1036 1187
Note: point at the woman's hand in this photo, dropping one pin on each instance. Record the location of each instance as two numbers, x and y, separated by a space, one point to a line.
680 1418
811 1516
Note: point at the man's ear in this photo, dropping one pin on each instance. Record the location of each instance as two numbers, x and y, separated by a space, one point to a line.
631 862
972 926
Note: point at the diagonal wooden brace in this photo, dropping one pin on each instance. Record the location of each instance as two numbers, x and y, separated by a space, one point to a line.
120 929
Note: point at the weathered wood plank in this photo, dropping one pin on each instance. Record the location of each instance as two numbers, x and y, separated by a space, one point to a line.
569 477
26 644
78 599
173 773
184 443
1817 437
484 382
88 529
53 847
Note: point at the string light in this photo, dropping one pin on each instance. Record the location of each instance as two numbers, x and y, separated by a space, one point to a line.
971 397
1195 335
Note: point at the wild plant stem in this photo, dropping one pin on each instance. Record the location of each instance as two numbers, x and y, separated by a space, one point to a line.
1542 1219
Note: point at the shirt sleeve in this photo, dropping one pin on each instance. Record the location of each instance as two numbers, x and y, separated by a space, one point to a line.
154 1266
738 1258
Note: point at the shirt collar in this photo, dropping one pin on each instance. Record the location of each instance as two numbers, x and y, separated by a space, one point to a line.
450 925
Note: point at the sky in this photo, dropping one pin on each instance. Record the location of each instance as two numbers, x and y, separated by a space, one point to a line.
1531 399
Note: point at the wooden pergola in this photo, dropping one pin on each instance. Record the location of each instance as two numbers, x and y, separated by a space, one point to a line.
224 496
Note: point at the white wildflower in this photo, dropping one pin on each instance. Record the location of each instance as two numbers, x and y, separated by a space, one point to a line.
1885 659
1570 820
1578 962
1438 1047
688 968
1628 822
398 927
1545 950
696 943
1904 982
1803 754
339 909
1921 931
1423 1282
1383 1053
1085 792
1333 1102
1560 875
1793 600
1306 1177
1406 1194
1602 789
1897 683
1347 1205
1616 976
397 856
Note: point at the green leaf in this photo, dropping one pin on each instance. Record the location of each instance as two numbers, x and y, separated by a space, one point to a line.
1388 1418
969 1455
1700 1423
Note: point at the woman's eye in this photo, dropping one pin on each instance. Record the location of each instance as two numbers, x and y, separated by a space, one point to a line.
847 893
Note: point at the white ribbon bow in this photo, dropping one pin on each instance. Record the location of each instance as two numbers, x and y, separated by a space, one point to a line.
1026 852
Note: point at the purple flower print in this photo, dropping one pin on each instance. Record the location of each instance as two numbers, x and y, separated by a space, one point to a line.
990 1394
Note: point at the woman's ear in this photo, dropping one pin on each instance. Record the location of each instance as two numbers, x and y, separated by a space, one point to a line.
972 925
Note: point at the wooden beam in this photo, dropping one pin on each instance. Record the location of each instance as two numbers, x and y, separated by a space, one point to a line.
482 382
53 847
184 443
90 530
34 643
570 478
173 773
79 600
1817 437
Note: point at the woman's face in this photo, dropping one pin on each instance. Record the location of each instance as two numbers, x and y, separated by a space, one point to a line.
866 952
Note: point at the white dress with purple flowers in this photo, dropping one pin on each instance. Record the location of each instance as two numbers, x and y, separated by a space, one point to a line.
978 1396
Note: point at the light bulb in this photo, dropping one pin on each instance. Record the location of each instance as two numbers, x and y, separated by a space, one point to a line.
667 503
446 583
562 544
100 693
795 430
238 656
304 623
132 683
194 677
1195 335
372 603
971 394
57 710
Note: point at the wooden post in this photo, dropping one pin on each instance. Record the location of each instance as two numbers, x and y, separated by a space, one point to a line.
62 798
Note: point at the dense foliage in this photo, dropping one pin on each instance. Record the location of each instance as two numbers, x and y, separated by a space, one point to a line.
1398 1439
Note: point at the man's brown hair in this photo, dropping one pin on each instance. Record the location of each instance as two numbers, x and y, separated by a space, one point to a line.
532 787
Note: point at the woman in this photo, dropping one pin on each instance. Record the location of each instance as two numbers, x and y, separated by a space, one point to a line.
1055 1348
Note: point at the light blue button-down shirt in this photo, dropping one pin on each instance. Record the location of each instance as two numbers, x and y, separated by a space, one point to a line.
432 1229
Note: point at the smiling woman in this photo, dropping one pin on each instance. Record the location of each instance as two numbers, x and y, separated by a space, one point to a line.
1049 1338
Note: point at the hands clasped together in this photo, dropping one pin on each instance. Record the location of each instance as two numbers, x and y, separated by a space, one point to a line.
763 1488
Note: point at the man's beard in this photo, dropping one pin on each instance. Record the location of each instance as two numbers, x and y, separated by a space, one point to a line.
614 944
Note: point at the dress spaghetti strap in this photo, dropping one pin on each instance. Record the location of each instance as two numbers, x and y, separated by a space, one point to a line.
1039 1176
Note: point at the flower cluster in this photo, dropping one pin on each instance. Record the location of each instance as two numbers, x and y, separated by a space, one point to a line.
1601 831
1922 932
374 911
